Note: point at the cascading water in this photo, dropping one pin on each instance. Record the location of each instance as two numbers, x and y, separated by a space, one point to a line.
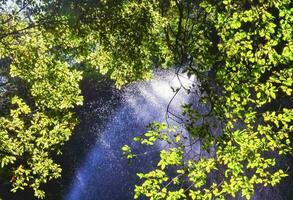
105 175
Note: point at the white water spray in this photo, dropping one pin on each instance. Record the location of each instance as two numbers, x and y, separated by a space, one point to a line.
105 175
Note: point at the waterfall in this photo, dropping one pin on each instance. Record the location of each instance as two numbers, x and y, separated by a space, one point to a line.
104 174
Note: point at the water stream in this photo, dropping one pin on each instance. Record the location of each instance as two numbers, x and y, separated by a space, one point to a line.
104 174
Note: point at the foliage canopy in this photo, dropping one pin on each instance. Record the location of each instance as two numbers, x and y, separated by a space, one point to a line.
247 46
